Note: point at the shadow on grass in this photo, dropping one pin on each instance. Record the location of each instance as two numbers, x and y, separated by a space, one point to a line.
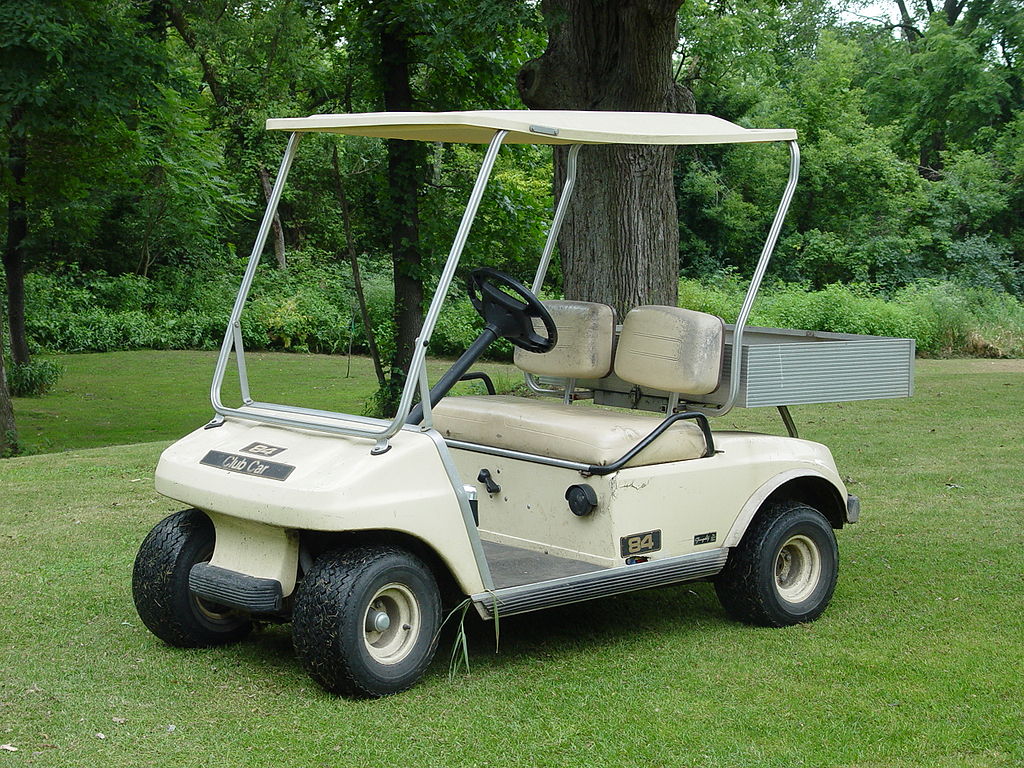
578 629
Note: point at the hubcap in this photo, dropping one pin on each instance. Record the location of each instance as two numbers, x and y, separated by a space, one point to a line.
392 623
797 569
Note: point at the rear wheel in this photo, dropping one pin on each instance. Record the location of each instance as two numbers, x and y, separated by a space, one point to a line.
784 570
160 585
366 619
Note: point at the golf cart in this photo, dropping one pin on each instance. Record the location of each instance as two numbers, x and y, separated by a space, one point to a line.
353 527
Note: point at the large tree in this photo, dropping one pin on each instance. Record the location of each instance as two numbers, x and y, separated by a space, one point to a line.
620 238
68 109
8 430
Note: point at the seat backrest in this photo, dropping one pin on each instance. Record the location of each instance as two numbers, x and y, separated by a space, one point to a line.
671 349
586 335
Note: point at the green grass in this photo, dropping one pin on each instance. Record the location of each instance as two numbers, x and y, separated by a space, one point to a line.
918 661
116 398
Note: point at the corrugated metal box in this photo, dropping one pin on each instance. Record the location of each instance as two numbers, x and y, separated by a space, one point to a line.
791 367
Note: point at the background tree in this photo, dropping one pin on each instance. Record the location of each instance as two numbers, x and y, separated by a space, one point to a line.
8 429
439 57
67 108
251 56
620 240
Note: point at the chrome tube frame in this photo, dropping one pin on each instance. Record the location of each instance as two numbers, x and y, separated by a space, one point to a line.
416 376
755 285
233 334
556 221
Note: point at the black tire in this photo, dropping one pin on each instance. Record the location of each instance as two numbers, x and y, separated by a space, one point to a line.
784 570
340 597
160 585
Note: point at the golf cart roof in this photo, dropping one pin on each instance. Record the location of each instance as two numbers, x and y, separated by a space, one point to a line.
527 126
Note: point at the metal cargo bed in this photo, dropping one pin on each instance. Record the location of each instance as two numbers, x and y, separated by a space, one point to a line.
782 366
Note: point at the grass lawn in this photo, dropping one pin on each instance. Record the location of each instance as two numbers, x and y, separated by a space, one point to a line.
918 662
116 398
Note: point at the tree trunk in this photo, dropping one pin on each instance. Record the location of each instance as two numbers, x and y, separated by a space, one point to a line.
17 231
404 171
278 229
620 238
357 279
8 430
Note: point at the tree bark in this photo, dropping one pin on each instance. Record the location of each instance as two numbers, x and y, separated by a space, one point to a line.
357 279
620 238
17 231
405 168
276 227
8 429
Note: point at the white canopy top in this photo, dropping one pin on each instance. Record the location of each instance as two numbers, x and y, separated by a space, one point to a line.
527 126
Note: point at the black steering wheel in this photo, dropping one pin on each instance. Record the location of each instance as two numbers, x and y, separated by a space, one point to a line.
509 309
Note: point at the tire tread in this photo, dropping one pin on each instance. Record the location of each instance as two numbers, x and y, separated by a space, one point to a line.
739 586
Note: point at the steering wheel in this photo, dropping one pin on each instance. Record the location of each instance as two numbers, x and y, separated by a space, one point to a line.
509 309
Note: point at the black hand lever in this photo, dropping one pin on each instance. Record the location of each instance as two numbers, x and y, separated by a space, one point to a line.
488 481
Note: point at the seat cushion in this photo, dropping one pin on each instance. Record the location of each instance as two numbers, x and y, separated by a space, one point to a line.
580 433
671 349
586 334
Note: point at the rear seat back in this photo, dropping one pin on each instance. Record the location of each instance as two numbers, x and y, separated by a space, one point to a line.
671 349
586 335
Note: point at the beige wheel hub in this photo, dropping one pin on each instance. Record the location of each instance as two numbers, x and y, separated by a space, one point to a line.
392 623
797 569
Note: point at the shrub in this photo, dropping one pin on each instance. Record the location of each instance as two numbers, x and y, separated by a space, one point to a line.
944 318
33 379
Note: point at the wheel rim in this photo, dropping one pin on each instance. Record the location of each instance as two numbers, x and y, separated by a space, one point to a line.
215 614
797 569
391 624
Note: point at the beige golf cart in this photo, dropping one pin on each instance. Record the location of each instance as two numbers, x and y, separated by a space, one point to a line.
610 479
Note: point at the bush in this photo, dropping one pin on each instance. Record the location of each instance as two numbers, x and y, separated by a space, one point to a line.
33 379
310 307
944 318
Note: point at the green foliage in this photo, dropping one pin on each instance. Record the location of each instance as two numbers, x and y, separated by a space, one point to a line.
869 108
32 379
945 318
309 307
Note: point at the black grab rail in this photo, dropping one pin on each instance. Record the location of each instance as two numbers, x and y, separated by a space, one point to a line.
702 422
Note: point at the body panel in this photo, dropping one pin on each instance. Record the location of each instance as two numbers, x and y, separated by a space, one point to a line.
337 485
697 505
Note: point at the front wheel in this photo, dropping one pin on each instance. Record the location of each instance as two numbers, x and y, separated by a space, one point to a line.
784 570
160 585
366 619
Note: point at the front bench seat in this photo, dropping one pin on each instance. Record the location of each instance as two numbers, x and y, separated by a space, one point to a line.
666 348
583 433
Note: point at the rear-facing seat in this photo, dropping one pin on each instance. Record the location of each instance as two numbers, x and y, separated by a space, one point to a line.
660 347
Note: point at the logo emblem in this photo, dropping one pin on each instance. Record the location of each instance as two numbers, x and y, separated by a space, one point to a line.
262 449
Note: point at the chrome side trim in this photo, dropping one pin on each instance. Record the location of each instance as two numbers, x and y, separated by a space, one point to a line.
611 581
